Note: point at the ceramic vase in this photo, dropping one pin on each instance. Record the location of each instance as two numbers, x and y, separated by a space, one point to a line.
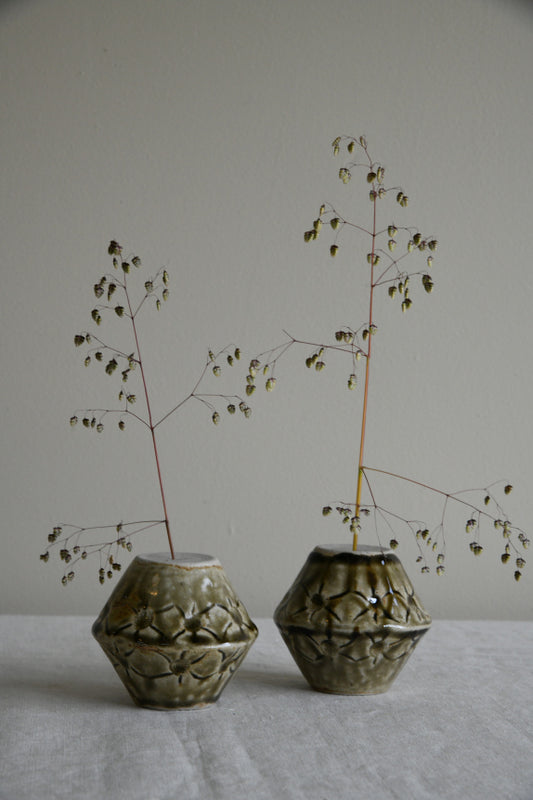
351 619
174 630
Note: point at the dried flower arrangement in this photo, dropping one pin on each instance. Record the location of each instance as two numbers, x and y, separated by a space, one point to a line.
387 256
122 293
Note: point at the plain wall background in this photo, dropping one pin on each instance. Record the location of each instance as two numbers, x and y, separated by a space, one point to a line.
198 134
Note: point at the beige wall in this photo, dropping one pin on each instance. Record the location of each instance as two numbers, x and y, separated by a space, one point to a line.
198 134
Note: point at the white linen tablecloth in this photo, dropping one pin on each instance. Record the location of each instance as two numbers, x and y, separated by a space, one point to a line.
458 723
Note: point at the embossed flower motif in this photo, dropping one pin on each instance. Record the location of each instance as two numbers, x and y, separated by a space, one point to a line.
320 609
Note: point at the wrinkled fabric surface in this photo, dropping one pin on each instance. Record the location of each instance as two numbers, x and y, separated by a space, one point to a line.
458 723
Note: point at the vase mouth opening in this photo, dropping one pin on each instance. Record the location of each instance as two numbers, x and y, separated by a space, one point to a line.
183 560
344 549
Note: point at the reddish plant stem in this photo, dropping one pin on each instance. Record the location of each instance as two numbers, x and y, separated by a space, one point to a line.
150 421
367 378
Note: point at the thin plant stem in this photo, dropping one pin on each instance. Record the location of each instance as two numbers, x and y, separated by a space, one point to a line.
150 422
367 379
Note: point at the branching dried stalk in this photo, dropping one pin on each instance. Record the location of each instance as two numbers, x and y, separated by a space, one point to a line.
387 253
74 543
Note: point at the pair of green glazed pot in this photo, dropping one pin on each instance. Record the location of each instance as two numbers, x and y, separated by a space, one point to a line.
176 632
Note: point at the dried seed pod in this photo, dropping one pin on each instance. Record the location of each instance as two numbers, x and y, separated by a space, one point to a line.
136 261
270 384
508 489
121 425
250 389
344 174
231 408
392 291
73 421
79 339
216 370
371 177
215 417
326 510
352 381
333 250
427 283
393 544
319 366
391 244
335 222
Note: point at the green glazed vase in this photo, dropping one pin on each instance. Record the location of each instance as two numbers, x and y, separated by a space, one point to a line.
174 630
351 619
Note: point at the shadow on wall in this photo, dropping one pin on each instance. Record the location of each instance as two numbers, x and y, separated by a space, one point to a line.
524 6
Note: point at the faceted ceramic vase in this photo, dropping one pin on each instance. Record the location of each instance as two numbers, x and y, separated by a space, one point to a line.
174 630
351 619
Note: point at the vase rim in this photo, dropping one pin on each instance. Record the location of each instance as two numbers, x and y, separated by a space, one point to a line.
362 549
184 560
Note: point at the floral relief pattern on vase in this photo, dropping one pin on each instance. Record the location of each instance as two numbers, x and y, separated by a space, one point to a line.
174 630
351 619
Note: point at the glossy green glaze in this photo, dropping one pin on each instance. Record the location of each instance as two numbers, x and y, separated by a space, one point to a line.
351 619
174 630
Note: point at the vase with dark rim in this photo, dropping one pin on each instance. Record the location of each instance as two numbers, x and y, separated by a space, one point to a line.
351 619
